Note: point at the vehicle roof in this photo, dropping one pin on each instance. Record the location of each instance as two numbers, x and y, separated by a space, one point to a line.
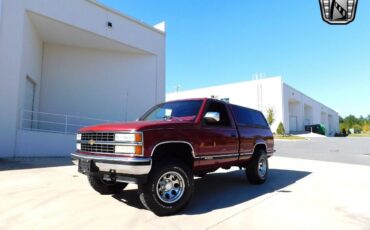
213 99
189 99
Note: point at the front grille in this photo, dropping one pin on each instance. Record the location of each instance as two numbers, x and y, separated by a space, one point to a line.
98 148
97 136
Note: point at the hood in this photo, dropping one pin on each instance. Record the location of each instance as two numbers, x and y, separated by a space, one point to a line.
137 126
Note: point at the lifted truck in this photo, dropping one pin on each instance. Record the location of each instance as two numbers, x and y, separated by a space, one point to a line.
169 145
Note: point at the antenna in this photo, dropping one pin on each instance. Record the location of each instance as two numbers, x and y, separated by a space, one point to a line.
177 88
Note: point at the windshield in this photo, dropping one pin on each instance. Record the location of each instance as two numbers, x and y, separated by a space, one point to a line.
178 110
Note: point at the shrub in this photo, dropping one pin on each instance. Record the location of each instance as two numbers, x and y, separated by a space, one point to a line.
270 116
280 130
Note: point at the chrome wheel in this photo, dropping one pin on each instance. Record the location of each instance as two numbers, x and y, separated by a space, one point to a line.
170 187
262 167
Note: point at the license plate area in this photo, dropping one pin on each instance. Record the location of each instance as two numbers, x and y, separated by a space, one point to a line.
86 166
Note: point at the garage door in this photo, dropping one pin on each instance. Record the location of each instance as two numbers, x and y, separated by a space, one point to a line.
293 124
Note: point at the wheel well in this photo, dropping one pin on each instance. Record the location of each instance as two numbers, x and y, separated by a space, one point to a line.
258 147
178 151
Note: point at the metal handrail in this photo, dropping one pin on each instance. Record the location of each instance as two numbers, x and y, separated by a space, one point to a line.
40 121
74 116
55 123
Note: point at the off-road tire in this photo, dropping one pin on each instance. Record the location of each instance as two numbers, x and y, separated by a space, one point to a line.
253 169
150 197
106 187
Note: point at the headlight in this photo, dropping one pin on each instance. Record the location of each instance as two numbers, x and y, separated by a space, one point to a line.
128 137
78 146
78 136
130 149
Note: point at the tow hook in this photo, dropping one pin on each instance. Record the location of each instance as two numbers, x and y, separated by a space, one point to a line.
111 176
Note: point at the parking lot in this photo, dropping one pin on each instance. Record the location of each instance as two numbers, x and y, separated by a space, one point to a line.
309 188
345 150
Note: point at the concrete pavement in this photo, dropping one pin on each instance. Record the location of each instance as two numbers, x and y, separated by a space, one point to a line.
300 194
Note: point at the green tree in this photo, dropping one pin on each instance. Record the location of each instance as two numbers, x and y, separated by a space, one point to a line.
343 126
360 124
365 127
280 130
270 115
361 120
350 121
357 128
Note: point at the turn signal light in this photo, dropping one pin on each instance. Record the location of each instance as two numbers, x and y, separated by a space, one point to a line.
138 150
138 137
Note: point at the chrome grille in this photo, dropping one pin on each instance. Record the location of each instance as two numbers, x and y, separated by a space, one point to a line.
97 136
98 148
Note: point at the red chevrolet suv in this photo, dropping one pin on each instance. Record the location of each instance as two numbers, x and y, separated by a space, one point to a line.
169 145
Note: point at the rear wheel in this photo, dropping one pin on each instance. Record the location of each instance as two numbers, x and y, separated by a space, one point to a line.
168 189
106 187
257 169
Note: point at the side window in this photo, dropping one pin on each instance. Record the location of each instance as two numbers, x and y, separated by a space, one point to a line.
221 109
242 115
259 119
245 116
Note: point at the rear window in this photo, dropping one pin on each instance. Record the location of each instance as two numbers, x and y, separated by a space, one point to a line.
245 116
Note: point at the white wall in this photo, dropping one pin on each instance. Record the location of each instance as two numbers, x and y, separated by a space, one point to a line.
21 54
97 83
11 46
31 143
319 115
1 7
285 100
244 94
90 16
31 61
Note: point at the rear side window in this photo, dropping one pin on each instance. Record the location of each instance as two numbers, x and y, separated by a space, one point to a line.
258 119
242 115
245 116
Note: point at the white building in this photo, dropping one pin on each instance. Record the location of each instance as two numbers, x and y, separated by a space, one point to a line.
293 108
64 61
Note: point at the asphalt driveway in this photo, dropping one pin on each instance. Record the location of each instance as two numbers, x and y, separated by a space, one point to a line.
351 150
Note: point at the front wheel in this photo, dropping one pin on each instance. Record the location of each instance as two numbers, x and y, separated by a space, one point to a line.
257 169
106 187
168 189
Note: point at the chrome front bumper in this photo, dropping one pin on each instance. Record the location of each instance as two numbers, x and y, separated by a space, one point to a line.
120 165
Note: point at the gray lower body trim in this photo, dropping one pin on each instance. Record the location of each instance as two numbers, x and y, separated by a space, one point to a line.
220 156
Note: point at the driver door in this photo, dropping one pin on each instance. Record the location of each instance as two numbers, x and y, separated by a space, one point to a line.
218 140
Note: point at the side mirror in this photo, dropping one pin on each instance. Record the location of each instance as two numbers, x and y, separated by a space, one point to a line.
212 117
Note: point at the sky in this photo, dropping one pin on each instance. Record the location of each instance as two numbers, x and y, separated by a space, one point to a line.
213 42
